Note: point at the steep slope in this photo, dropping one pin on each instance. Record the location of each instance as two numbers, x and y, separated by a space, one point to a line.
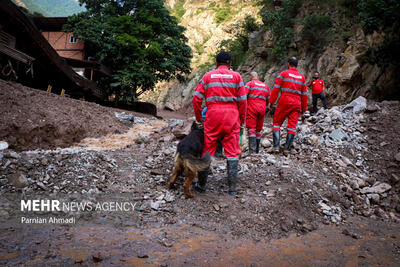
327 36
208 23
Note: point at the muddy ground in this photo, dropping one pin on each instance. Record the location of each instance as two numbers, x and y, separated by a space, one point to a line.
329 203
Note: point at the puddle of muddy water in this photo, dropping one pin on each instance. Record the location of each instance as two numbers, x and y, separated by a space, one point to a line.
185 245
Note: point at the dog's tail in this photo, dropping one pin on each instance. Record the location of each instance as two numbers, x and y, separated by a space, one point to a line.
197 164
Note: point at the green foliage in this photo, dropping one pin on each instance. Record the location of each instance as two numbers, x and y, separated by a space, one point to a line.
316 30
138 39
179 10
382 15
222 15
377 14
281 23
238 47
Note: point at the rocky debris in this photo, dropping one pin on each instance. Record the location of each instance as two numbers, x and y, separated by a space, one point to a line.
3 145
372 108
142 256
397 157
323 180
357 105
126 118
97 257
353 235
377 188
61 170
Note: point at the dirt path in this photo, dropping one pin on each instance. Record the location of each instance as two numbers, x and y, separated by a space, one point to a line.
316 207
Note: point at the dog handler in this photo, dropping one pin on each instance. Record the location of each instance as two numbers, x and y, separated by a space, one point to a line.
293 100
225 96
257 97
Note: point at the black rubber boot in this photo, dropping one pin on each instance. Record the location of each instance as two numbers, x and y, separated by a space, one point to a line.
232 176
258 146
252 145
200 186
276 136
288 144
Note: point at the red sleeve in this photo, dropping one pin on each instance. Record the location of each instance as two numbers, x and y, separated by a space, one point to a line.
268 94
276 89
242 101
304 96
247 87
198 99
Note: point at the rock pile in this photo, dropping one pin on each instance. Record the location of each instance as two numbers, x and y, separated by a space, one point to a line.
337 127
62 170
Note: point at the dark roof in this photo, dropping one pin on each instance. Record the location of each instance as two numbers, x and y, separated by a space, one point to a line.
50 24
49 67
79 63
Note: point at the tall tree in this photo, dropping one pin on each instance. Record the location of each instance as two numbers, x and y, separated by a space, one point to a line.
138 39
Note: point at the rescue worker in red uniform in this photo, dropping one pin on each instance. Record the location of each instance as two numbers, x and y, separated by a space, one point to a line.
292 102
257 98
225 96
317 86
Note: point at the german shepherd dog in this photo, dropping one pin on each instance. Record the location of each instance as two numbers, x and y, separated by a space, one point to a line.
188 158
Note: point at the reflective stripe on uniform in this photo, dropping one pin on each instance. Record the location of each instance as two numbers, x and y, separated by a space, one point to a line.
219 84
291 129
221 98
257 96
241 98
291 90
258 88
240 85
232 158
196 93
293 81
277 86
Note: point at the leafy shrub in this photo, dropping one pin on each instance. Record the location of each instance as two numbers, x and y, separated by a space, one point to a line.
238 47
281 22
382 15
376 14
179 10
222 15
316 30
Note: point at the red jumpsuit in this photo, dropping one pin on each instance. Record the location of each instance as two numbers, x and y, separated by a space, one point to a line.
257 97
293 99
225 96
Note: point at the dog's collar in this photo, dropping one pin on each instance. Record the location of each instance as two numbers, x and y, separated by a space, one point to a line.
199 126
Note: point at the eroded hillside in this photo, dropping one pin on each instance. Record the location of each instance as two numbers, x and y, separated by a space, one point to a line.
327 36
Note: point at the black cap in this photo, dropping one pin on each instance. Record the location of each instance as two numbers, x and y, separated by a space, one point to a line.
224 57
293 61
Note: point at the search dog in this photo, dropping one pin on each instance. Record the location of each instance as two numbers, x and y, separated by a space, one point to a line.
188 158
